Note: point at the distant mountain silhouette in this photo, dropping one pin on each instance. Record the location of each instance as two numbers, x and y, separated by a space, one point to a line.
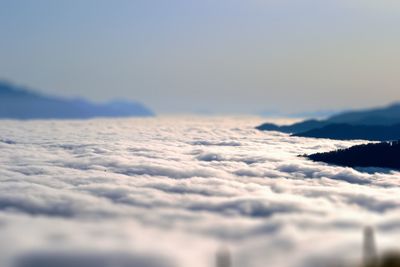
293 128
20 103
370 124
348 132
378 116
381 155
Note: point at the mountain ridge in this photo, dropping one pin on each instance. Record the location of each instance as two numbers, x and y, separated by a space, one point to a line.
21 103
379 124
345 131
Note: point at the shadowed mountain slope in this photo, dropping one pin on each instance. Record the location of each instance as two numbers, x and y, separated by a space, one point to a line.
381 155
380 124
349 132
379 116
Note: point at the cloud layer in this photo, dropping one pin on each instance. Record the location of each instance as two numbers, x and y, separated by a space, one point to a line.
176 189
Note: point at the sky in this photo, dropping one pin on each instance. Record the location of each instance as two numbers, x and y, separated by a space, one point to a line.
206 56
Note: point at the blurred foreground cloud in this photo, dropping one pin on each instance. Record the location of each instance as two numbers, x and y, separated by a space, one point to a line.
79 259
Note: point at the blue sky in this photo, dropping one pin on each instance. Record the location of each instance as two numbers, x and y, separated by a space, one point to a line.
220 56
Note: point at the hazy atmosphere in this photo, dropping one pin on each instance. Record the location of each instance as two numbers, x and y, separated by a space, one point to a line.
224 56
208 133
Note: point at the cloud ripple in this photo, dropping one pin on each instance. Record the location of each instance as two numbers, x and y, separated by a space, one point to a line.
153 186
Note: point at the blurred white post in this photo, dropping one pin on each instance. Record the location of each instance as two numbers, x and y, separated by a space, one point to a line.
223 258
370 256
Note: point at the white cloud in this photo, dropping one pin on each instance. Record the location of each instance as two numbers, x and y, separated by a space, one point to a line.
178 189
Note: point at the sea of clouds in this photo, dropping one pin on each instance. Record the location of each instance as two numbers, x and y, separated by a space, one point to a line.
172 191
